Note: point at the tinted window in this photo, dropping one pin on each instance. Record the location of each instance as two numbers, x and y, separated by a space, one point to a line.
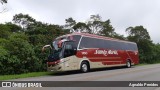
88 42
69 49
75 38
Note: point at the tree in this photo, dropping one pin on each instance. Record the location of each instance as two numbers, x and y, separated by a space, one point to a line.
81 27
107 29
70 22
8 28
23 20
5 31
118 36
18 55
99 27
94 24
14 28
4 53
138 33
155 53
3 1
141 36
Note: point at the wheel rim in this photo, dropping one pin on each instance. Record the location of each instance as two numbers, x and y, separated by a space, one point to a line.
84 67
128 64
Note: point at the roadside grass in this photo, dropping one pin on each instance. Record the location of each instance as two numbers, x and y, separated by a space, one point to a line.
25 75
142 64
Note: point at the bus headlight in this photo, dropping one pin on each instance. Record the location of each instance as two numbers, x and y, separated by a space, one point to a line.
62 60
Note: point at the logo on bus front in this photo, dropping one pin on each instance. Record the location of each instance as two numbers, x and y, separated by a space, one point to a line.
105 52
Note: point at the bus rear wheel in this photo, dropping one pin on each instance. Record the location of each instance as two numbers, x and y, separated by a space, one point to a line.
128 63
84 67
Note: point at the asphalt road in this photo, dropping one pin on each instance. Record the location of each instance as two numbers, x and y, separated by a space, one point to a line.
136 73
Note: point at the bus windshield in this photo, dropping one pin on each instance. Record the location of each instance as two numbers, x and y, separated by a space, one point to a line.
59 46
55 44
56 50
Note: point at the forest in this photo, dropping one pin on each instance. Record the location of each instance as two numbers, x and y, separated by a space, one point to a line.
22 39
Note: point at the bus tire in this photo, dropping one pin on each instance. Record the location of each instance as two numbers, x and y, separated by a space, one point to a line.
84 67
128 64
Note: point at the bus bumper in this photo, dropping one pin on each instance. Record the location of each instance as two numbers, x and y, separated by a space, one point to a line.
54 68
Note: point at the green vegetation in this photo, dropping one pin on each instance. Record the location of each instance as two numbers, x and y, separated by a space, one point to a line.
142 64
3 1
25 75
22 39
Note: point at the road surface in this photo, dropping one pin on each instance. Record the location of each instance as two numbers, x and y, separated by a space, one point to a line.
136 73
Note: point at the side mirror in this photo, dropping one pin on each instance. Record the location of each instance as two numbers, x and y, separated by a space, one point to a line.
44 47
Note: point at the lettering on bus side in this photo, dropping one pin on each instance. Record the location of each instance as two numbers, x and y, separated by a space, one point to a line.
84 53
105 52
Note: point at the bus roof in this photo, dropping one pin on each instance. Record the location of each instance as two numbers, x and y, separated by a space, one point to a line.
95 36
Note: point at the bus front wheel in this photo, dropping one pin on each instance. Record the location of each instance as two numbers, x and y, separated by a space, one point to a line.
84 67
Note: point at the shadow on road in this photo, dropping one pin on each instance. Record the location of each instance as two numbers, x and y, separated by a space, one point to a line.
92 70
